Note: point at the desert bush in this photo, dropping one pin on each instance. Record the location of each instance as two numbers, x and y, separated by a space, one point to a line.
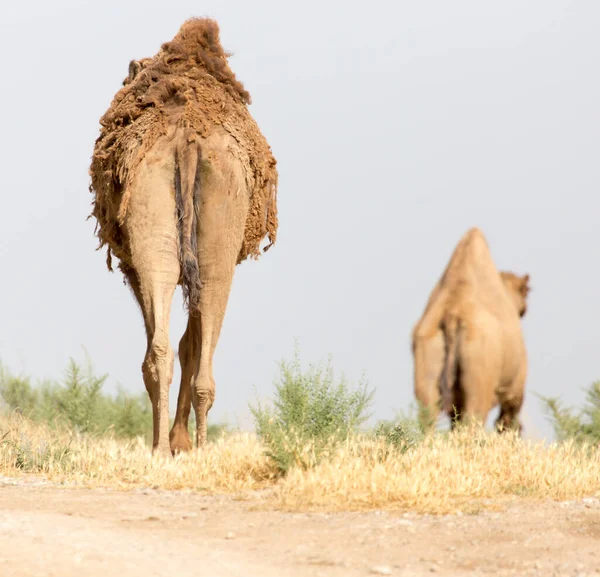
79 404
311 414
17 393
127 415
79 399
583 425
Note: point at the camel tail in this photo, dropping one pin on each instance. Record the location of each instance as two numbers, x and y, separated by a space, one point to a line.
188 187
448 380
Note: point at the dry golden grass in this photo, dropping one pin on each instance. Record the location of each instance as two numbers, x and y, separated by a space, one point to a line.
232 464
445 473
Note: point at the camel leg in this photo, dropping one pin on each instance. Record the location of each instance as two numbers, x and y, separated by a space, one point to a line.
476 396
511 402
475 409
151 230
457 412
428 356
477 375
134 285
157 368
476 405
180 438
428 353
217 275
508 419
223 210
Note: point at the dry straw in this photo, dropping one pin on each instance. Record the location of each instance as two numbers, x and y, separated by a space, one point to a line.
445 473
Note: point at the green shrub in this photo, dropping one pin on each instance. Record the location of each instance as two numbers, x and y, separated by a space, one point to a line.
79 399
129 415
79 404
215 431
310 415
18 393
583 426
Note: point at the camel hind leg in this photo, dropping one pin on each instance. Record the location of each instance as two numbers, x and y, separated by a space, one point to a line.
511 401
508 419
475 384
216 269
223 210
476 401
157 367
180 438
428 353
154 272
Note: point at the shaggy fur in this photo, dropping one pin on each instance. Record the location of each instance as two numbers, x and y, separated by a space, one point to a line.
188 83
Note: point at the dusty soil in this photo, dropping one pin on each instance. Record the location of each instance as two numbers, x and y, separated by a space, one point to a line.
48 530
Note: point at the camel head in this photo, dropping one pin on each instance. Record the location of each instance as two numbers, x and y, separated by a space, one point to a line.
518 289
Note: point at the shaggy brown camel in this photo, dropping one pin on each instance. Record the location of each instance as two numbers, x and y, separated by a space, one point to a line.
185 188
468 346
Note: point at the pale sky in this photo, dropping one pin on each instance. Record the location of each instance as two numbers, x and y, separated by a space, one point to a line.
396 126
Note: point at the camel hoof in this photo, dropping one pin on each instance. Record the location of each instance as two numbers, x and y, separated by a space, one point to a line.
180 441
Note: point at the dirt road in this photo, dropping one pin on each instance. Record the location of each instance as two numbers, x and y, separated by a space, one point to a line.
51 531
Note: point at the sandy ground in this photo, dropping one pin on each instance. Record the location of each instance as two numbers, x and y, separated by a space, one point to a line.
47 530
